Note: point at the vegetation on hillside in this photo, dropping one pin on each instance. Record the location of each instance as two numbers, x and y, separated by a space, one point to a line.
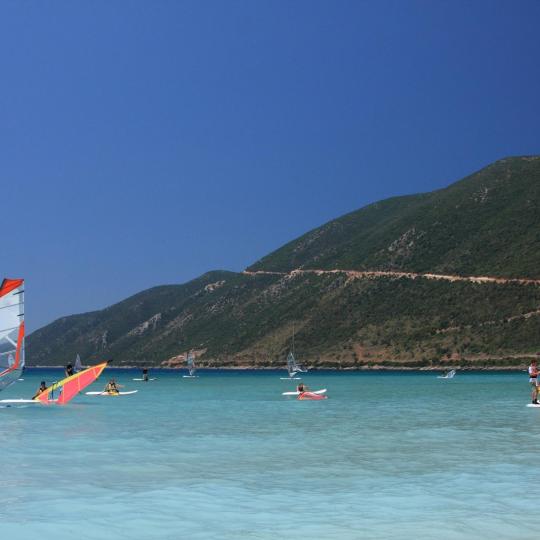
486 224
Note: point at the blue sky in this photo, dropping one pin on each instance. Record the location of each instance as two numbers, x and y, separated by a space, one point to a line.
145 143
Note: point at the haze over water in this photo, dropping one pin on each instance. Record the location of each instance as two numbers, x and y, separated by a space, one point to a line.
401 455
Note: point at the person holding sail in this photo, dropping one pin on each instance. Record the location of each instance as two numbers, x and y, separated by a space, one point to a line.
41 389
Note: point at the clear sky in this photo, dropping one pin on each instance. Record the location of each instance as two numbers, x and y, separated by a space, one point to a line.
146 142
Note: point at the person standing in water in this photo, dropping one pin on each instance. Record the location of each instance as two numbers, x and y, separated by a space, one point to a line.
145 374
533 381
69 370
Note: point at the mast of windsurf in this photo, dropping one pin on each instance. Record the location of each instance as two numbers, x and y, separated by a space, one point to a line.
11 331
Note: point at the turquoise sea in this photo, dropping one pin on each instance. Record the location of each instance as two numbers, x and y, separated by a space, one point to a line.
388 455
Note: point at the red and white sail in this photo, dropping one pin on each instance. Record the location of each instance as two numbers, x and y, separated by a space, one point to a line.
11 331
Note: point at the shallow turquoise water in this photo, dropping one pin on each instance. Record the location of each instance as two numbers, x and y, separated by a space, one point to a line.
225 456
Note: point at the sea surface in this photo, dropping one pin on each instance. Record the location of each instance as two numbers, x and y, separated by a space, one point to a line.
388 455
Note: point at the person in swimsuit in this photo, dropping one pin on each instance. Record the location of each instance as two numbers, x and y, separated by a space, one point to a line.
112 387
41 389
533 381
69 370
145 374
301 388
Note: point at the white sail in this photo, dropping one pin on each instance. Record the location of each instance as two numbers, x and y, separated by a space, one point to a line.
292 366
78 365
190 361
11 331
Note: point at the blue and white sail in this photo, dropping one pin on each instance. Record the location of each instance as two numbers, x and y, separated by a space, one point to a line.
11 331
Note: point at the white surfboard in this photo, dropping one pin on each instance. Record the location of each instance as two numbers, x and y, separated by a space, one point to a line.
107 394
290 378
190 376
19 401
151 379
534 405
323 391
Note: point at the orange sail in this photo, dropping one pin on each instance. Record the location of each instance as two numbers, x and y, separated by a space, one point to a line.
69 387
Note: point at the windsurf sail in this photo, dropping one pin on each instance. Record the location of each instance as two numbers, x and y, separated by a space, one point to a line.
292 366
190 362
63 391
11 331
78 365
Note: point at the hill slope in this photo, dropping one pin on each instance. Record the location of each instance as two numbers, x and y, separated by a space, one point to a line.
486 224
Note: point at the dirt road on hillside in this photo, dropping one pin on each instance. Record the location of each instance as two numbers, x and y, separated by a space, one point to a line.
373 274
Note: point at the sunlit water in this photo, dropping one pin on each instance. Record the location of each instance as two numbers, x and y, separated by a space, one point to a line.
402 456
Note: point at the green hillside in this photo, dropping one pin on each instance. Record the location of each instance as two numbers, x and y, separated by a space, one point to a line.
487 224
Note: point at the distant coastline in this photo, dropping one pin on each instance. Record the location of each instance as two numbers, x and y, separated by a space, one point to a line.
318 368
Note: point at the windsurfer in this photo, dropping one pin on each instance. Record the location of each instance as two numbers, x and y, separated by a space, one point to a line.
69 370
112 387
533 381
301 388
41 389
145 374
